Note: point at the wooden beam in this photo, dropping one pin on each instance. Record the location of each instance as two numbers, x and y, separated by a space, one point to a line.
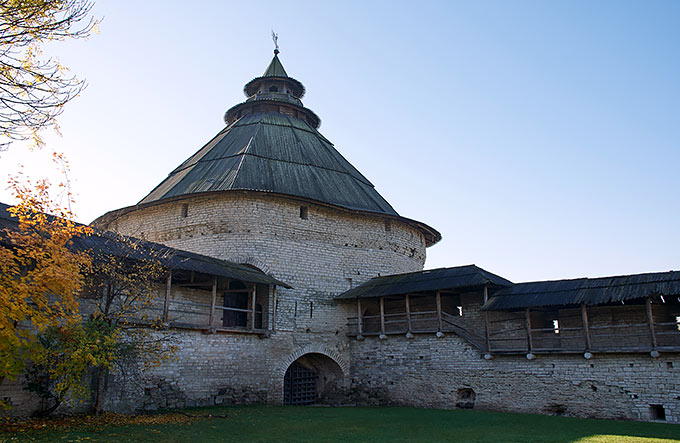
486 321
212 303
527 317
166 305
439 310
382 315
586 326
650 321
253 298
274 308
408 315
234 290
359 321
194 285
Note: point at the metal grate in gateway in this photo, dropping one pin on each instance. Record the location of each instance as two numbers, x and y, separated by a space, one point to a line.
299 385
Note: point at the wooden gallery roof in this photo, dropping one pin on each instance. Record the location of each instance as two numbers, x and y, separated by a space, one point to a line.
458 278
589 291
506 295
130 248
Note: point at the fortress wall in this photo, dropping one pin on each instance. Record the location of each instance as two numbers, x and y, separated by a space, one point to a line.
214 369
426 371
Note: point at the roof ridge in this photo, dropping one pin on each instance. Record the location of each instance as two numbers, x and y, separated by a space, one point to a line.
243 156
426 270
618 285
595 278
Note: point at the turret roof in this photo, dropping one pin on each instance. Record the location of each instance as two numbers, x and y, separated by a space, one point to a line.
275 68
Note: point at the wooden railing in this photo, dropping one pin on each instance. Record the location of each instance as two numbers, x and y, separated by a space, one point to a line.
514 333
210 317
418 322
517 335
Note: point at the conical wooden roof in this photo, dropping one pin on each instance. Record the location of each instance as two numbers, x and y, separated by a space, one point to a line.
271 144
273 152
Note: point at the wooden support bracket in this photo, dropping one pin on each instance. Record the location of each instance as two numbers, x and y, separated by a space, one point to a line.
530 344
650 321
212 303
487 334
586 326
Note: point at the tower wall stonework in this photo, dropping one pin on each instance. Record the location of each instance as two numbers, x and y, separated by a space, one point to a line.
427 371
321 256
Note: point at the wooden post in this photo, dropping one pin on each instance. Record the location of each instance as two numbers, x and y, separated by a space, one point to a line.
274 308
359 323
439 311
408 315
650 321
530 344
487 333
382 315
253 298
586 326
166 305
212 303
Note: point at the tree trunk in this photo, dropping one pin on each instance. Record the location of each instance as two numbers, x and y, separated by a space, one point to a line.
101 375
47 412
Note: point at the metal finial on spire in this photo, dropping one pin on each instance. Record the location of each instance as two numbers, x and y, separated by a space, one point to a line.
275 37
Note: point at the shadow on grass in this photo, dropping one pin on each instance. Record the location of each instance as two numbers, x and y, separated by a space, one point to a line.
314 424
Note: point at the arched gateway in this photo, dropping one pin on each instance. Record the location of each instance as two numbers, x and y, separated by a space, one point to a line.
312 378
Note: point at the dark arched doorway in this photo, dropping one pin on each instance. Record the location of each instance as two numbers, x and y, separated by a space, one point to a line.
312 378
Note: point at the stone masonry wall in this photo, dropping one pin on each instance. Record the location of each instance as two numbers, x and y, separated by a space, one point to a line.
448 372
214 369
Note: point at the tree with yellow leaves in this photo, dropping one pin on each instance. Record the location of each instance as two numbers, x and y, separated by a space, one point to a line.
74 302
39 274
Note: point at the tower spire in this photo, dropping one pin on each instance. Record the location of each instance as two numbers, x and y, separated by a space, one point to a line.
275 37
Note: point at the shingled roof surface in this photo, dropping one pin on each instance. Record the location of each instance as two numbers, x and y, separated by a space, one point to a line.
460 277
590 291
109 243
273 152
275 69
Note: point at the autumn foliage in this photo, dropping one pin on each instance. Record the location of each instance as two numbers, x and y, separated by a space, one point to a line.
69 312
39 273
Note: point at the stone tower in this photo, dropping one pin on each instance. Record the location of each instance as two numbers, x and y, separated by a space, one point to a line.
270 191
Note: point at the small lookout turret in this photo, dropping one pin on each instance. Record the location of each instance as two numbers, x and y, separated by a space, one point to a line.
274 91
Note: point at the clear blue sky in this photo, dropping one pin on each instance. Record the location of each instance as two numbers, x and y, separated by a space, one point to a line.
541 138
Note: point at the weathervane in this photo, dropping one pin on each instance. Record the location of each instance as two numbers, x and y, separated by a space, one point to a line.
275 37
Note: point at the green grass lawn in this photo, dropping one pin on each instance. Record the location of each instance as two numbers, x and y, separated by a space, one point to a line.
314 424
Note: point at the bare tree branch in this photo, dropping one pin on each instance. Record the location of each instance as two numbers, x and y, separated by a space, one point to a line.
34 90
